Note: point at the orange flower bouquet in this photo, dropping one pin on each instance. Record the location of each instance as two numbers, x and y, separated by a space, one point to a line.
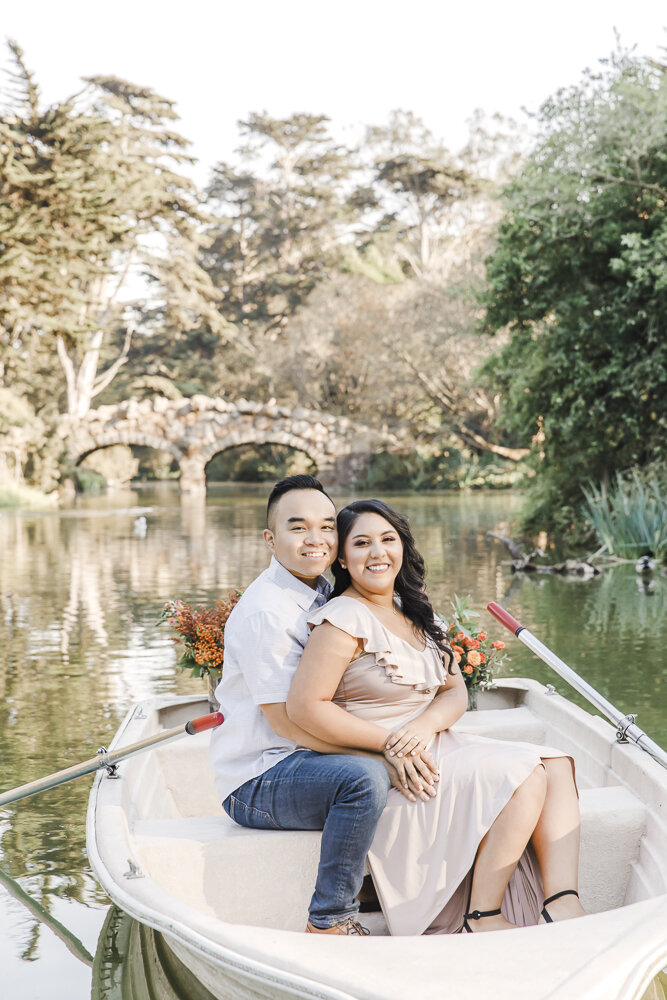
201 633
474 651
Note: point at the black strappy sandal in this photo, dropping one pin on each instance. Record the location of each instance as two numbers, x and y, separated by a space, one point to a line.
477 915
556 895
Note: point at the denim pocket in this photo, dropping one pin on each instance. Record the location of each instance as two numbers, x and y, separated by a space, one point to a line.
246 815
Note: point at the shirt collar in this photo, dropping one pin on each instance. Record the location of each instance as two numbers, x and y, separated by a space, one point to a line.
304 595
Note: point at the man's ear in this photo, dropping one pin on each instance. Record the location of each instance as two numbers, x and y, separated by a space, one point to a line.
269 540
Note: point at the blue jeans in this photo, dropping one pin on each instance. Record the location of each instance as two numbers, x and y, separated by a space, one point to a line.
339 794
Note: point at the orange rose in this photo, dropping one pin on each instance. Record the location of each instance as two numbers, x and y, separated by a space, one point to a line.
474 658
459 637
457 655
481 636
457 649
482 657
497 645
467 670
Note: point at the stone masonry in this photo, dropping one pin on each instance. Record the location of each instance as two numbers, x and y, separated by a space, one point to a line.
195 429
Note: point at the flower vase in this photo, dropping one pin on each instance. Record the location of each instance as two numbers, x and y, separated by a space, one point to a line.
472 699
213 681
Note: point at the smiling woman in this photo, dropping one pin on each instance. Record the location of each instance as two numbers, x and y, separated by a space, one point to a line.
378 666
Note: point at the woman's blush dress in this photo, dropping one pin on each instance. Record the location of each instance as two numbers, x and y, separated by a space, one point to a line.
422 854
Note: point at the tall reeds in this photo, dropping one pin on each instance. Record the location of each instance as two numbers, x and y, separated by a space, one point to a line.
629 518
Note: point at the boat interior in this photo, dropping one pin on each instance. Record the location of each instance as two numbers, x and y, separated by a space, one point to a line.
183 841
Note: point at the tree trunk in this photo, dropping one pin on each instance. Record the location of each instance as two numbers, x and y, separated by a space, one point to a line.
80 379
83 382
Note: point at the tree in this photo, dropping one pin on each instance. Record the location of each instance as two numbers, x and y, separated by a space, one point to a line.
579 278
278 216
91 208
413 185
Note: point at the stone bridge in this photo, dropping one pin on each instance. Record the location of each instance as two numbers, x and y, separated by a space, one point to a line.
195 429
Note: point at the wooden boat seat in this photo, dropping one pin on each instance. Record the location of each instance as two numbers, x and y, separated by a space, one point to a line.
266 878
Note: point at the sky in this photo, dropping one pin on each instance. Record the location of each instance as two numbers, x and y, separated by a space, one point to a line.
353 60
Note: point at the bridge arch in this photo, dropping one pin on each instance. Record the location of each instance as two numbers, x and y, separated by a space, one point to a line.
110 439
267 437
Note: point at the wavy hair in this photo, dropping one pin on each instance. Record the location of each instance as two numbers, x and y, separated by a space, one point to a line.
409 584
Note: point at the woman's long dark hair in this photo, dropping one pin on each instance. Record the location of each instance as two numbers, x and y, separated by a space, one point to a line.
409 584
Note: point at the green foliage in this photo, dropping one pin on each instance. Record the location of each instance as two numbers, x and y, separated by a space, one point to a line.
474 651
29 447
89 198
14 496
14 411
579 276
87 480
371 263
155 464
258 464
451 468
150 385
630 516
275 230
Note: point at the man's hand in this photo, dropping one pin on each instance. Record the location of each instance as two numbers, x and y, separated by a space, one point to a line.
414 777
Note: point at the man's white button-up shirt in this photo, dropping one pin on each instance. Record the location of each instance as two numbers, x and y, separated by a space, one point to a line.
264 639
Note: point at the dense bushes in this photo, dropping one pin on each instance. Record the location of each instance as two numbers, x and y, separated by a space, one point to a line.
579 278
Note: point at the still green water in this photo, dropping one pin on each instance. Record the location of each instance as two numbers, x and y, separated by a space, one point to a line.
80 593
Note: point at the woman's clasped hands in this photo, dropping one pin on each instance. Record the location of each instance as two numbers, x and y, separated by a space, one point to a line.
406 751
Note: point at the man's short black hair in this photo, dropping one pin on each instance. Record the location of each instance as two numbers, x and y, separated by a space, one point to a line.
293 483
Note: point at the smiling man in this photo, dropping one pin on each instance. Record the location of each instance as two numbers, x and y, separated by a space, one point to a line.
270 773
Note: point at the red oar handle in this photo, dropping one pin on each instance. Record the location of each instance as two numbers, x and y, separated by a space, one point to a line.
504 617
204 722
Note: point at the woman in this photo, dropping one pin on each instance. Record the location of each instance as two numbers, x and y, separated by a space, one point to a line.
377 673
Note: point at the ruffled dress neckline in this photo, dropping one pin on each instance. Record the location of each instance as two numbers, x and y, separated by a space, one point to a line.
421 669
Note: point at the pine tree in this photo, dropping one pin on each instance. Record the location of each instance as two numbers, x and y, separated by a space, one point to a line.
278 218
414 185
91 204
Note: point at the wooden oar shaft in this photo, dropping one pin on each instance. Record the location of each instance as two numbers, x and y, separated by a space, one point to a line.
630 731
108 758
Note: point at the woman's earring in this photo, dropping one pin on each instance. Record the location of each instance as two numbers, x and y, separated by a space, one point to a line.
342 564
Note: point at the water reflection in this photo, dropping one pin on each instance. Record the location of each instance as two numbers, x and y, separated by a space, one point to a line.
81 591
132 962
42 916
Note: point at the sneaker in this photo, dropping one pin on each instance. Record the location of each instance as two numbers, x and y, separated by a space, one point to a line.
350 926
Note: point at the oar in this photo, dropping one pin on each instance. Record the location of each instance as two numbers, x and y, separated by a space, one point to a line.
625 724
109 759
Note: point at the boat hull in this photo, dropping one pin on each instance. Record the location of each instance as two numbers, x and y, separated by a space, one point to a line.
190 887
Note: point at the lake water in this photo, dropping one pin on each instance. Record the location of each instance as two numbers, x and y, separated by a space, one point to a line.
80 595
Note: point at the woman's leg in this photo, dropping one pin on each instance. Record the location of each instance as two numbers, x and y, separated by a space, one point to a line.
556 839
502 846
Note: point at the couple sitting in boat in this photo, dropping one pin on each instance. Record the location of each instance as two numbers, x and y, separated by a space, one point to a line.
338 707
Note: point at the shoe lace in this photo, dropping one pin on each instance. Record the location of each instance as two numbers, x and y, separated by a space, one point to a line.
354 927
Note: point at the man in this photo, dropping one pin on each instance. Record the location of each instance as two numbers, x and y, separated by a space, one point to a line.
270 773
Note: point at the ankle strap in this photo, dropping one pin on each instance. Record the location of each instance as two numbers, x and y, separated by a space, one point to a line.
557 895
478 914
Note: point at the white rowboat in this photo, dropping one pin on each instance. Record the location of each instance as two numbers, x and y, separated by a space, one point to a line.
232 903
